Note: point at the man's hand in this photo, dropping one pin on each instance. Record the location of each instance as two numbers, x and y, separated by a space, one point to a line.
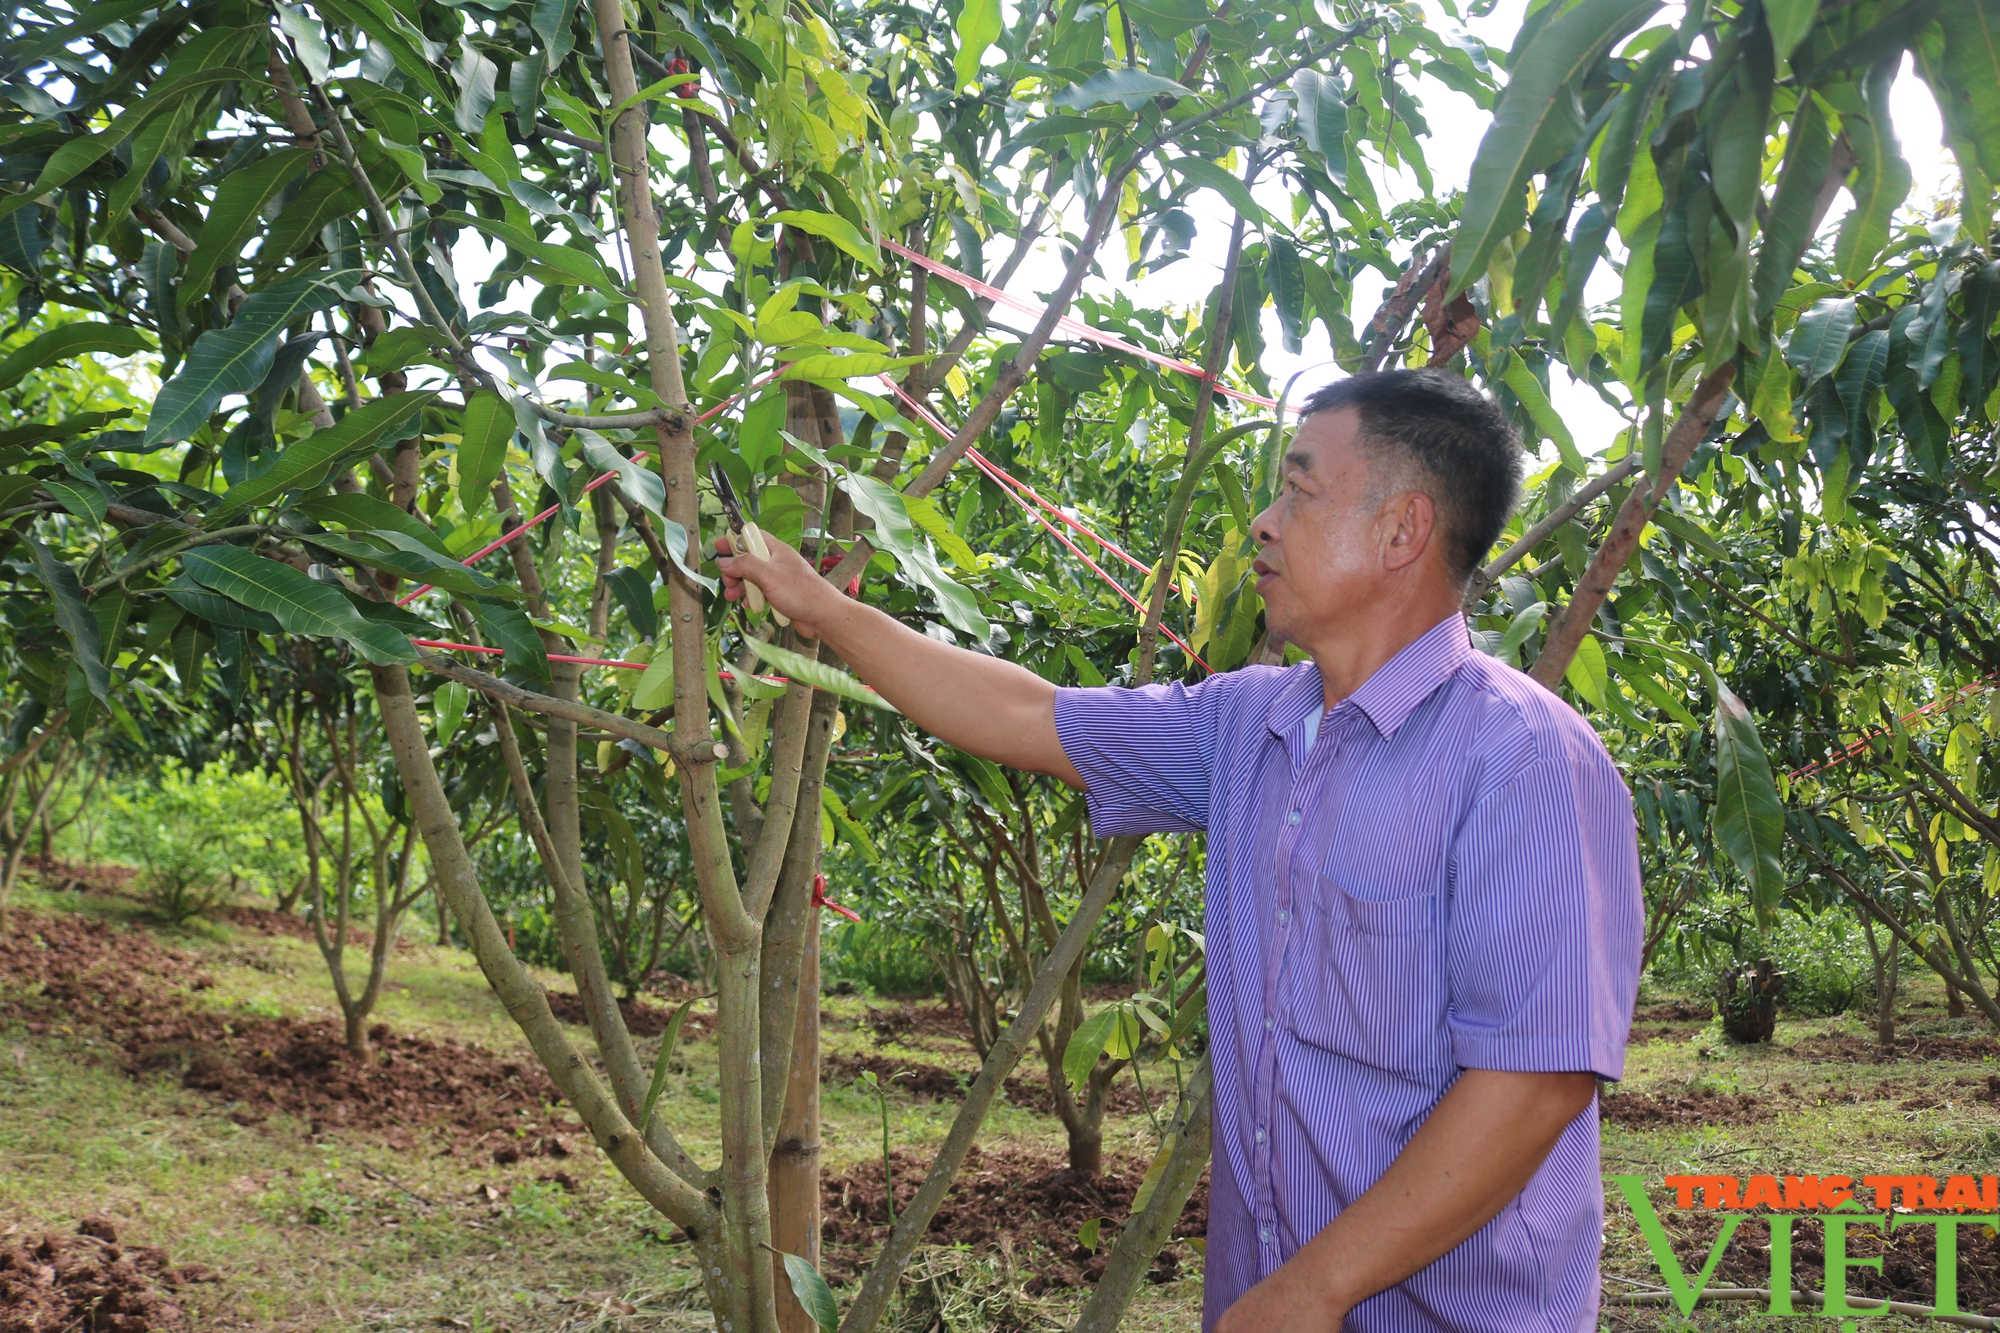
1282 1301
786 579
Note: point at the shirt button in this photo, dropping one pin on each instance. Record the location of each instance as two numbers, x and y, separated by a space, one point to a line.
1264 1234
1292 818
1260 1133
1267 1025
1284 917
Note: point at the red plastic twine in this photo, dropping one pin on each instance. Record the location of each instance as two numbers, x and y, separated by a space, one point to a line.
1069 324
819 900
1957 696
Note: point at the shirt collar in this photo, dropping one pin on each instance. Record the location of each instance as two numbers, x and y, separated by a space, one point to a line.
1398 686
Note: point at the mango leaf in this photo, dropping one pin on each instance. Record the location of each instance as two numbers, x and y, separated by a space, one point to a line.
1532 125
845 366
236 216
834 228
74 618
1787 231
1284 278
979 26
476 77
1086 1044
216 609
307 39
1519 378
634 592
1789 21
1749 817
236 359
668 1040
484 433
896 535
656 683
509 629
1130 87
1881 184
366 512
817 674
1201 171
69 340
448 708
1524 624
308 463
812 1293
86 502
421 563
1819 340
1587 673
301 605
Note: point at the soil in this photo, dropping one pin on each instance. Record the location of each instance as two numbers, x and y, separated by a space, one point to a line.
1009 1198
1691 1106
910 1020
136 992
90 1282
1663 1034
1675 1012
1908 1271
935 1083
641 1020
1845 1047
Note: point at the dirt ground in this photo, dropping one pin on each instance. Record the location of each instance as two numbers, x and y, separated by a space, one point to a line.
185 1143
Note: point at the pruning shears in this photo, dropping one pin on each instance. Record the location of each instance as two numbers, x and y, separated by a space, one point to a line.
744 539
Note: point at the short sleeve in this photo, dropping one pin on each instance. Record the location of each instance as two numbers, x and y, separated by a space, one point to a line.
1146 755
1547 919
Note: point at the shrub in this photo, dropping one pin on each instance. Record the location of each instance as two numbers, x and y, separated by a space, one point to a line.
197 835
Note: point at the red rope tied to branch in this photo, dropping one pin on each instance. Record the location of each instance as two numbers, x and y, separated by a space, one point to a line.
1868 738
1070 324
819 900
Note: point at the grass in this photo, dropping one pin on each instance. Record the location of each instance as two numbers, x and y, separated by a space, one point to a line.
344 1233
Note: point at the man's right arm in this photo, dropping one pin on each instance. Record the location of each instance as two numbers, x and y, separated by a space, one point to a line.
983 705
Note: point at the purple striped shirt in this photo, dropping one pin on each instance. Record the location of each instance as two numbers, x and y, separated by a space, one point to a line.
1447 878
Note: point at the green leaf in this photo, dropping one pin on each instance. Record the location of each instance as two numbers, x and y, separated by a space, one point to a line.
307 39
656 683
895 534
1086 1044
1749 817
86 502
216 609
301 605
448 705
508 628
235 359
308 464
236 216
817 674
69 340
1201 171
421 563
1130 87
979 26
1285 279
668 1040
1521 379
484 434
834 228
73 617
845 365
1322 115
1530 123
476 77
367 513
1587 673
1087 673
634 592
812 1293
551 21
1639 675
1789 21
1881 183
1787 231
923 512
1819 340
1524 624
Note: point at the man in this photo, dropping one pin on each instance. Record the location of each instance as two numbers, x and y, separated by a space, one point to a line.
1423 905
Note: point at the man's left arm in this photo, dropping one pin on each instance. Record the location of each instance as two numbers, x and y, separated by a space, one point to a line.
1479 1148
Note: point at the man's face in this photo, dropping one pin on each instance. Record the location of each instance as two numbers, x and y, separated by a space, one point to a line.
1326 537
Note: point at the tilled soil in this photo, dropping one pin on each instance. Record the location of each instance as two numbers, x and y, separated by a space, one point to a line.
935 1083
912 1020
135 991
1909 1256
1861 1050
1687 1106
641 1020
90 1282
1027 1197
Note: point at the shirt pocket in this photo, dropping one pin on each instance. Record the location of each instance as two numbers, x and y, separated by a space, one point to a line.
1365 980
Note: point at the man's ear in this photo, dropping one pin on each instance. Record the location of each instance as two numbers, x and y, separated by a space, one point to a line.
1408 527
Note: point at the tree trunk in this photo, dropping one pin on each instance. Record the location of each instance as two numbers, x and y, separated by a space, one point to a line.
1747 999
795 1217
357 1031
1086 1147
1954 1001
1884 965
